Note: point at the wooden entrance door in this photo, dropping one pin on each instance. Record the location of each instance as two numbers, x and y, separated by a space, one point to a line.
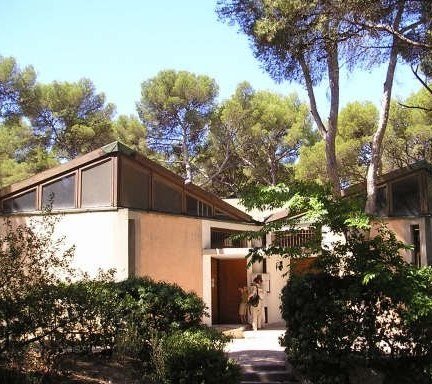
231 275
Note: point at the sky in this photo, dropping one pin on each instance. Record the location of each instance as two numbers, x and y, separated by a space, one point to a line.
118 44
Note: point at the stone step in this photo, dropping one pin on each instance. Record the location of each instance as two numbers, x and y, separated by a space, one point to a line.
265 367
269 382
267 375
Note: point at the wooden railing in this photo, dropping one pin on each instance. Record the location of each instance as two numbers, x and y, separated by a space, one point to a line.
295 238
224 239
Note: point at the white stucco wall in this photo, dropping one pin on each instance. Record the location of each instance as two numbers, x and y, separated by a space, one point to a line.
100 239
401 226
277 281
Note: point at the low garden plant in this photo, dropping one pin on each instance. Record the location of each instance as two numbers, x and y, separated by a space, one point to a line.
49 312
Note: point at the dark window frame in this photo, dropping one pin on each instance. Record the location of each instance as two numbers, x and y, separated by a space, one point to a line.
18 195
391 194
54 180
124 163
158 179
112 183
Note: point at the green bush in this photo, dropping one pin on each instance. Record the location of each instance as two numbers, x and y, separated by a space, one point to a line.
32 264
366 308
46 311
160 305
147 308
196 356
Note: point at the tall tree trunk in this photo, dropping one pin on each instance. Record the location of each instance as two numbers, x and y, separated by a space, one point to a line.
273 168
186 159
376 150
327 133
330 140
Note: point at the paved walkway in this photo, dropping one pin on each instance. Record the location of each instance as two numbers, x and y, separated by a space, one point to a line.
261 357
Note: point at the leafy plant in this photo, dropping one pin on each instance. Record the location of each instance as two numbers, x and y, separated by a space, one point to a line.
196 356
48 309
361 306
32 263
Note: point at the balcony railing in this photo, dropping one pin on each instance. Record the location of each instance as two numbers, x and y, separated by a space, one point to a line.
295 239
226 239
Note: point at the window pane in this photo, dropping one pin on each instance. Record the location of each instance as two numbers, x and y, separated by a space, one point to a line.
209 211
226 239
23 203
96 186
191 206
135 186
60 193
406 197
167 199
298 238
205 210
381 201
429 193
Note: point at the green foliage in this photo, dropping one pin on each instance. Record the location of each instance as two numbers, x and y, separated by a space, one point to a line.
162 306
196 356
176 108
357 122
306 41
265 131
31 263
41 124
47 309
20 155
71 117
130 131
409 138
366 308
16 88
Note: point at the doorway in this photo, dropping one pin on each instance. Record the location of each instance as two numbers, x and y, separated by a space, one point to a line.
415 239
227 276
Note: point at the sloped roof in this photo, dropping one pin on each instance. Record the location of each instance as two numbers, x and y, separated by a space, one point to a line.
257 214
390 176
113 149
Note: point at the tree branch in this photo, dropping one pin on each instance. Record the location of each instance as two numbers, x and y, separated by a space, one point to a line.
398 34
311 94
415 72
219 170
415 107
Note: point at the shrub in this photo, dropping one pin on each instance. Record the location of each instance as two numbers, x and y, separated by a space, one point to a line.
162 305
147 307
366 308
196 356
45 311
32 264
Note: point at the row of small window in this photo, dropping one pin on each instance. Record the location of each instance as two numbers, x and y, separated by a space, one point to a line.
61 193
195 207
135 193
96 186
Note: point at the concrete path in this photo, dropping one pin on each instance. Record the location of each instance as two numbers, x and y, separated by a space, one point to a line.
261 357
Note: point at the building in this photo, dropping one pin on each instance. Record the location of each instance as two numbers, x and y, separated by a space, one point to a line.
404 204
123 211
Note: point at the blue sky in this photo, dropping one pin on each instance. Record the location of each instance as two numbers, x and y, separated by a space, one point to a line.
118 44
